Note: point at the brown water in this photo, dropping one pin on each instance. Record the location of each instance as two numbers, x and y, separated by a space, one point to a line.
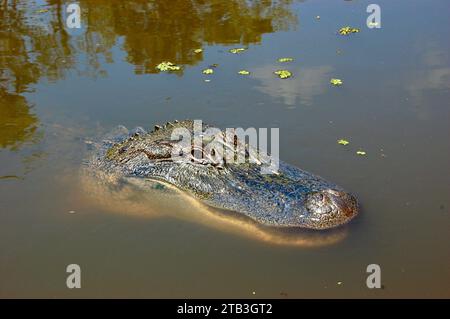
60 87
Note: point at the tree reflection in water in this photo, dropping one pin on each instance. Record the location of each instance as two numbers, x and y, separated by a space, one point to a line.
35 44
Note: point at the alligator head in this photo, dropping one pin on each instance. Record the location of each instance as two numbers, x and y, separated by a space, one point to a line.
290 198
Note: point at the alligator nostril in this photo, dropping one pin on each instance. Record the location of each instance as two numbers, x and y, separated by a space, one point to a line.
344 202
348 204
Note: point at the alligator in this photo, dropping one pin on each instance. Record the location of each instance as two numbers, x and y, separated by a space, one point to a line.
289 197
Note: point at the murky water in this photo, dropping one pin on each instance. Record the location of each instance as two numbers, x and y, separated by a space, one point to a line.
61 87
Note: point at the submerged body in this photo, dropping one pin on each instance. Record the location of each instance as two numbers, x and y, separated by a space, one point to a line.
289 198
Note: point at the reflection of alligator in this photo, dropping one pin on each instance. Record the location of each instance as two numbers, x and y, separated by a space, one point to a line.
290 198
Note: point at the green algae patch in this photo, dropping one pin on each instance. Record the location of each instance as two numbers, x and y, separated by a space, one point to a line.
283 74
336 82
361 153
244 72
167 66
348 30
343 142
237 50
208 71
285 60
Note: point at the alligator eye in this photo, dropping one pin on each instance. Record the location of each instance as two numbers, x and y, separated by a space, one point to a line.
319 197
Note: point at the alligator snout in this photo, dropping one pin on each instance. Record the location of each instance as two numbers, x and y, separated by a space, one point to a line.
330 208
345 202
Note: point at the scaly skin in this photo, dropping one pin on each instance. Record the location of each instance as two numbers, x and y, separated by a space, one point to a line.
291 198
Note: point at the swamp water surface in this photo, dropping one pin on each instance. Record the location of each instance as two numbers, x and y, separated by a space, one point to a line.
61 88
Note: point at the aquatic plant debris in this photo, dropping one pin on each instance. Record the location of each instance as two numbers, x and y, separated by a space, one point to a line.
244 72
237 50
283 74
284 60
198 50
362 153
42 11
343 142
168 66
336 82
208 71
348 30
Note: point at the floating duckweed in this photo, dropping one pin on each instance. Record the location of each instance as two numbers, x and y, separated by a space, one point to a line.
336 82
167 66
244 72
198 50
42 11
208 71
283 60
362 153
343 142
348 30
283 74
237 50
